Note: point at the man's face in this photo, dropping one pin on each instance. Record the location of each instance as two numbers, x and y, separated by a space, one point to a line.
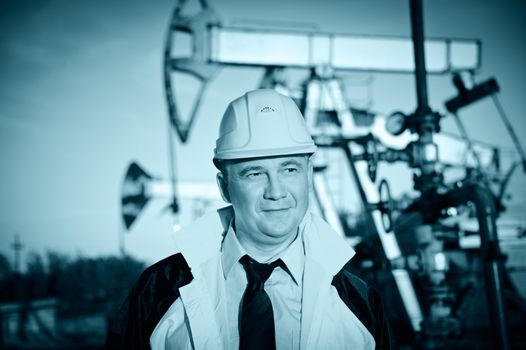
270 195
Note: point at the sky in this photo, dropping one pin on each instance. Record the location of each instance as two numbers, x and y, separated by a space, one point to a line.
81 96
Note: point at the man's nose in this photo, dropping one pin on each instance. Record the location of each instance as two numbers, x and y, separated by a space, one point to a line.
274 189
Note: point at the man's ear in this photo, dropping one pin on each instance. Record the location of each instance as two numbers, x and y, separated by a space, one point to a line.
223 186
310 174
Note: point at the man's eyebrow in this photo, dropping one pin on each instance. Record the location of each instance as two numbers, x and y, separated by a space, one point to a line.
248 169
292 162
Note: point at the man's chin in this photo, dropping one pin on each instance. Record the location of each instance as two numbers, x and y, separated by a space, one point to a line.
280 230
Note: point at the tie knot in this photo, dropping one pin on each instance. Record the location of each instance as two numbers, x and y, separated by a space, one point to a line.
258 272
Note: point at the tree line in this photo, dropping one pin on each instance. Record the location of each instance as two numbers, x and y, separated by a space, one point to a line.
80 284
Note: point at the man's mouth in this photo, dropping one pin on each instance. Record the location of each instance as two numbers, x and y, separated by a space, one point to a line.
276 210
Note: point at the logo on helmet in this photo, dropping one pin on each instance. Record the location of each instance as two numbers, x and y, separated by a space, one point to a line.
267 109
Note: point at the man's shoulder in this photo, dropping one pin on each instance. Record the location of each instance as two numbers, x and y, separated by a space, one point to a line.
324 245
158 286
364 301
172 270
350 286
153 293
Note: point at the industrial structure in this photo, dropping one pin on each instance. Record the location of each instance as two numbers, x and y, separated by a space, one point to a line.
438 280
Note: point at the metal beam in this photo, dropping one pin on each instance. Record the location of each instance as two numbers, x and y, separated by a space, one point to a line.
251 47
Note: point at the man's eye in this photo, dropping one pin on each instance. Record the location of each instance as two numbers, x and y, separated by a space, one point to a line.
291 170
253 175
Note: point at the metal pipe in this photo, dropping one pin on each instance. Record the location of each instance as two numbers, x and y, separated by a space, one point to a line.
510 130
391 249
417 30
493 266
490 252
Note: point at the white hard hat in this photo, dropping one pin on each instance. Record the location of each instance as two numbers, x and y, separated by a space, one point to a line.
262 123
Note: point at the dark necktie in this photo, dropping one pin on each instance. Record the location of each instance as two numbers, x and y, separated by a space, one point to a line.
256 324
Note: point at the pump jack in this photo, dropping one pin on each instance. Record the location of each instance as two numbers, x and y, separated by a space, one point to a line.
322 96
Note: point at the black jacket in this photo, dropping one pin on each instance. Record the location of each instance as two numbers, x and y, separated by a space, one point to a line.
158 287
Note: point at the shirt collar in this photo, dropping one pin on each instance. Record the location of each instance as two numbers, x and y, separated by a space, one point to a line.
293 256
231 251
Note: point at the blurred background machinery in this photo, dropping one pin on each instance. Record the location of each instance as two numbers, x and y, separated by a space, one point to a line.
444 257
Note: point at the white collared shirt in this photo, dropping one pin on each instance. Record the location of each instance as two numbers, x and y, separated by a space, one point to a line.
202 317
283 289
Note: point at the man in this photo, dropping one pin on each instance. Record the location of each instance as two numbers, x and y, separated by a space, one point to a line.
263 273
